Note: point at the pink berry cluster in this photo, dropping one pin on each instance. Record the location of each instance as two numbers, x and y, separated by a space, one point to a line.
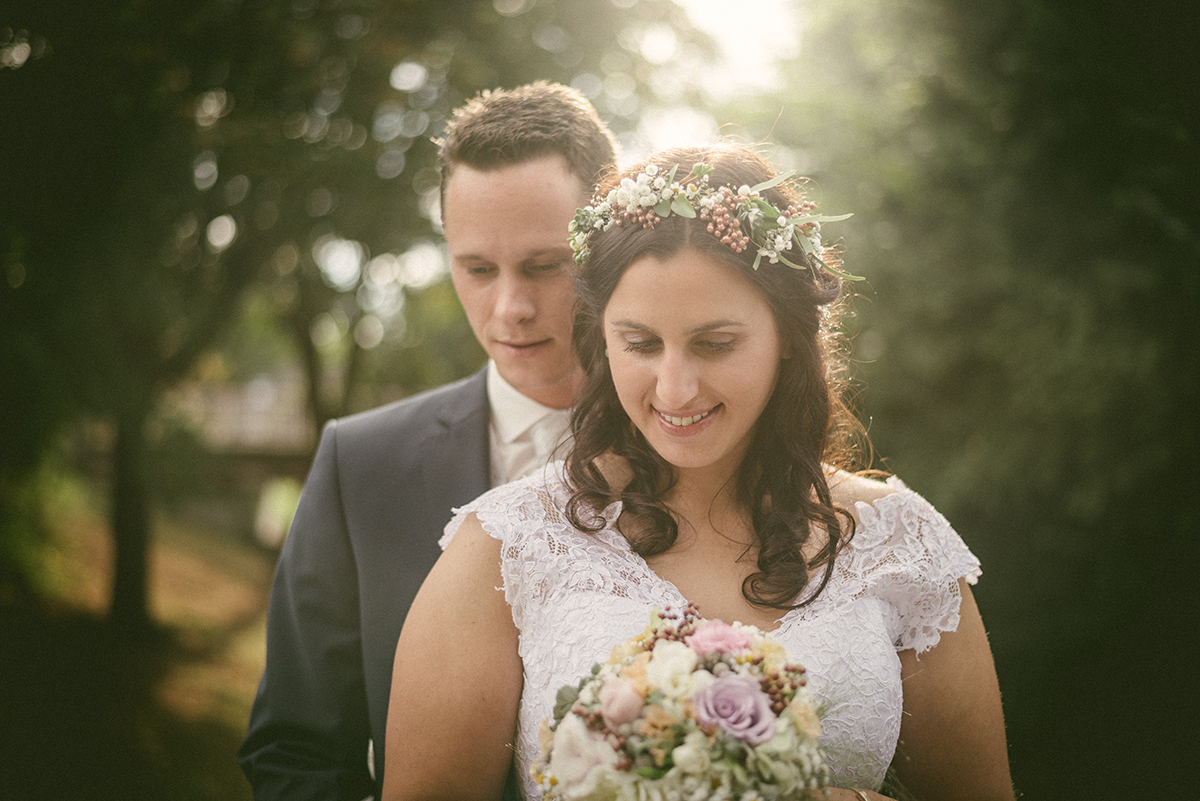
645 217
723 222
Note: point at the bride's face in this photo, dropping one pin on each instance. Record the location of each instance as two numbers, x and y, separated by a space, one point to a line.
694 351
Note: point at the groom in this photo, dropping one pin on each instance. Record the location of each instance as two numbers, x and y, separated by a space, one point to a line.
515 166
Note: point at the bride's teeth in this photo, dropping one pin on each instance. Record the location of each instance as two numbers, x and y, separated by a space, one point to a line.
684 421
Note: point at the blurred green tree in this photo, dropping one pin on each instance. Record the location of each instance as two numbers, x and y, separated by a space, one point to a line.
1023 182
170 155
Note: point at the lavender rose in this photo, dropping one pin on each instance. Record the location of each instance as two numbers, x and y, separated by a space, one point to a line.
739 706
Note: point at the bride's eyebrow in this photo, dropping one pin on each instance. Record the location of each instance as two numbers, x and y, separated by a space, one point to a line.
630 324
716 324
700 329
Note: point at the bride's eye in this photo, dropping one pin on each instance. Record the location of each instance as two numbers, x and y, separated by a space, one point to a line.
640 345
715 345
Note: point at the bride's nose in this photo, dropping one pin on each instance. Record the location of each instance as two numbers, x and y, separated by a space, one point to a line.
678 381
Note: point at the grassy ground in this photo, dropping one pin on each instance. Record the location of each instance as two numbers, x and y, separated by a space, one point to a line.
87 715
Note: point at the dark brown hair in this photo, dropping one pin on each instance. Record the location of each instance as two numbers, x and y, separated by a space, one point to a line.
804 426
502 127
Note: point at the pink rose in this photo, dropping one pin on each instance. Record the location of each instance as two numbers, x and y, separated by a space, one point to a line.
739 706
620 702
716 635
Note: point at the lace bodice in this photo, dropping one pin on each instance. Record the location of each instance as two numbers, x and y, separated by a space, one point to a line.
575 595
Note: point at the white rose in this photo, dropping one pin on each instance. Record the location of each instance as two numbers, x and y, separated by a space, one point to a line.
701 679
580 758
670 667
692 756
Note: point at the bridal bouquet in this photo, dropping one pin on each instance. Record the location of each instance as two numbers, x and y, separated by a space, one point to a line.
689 709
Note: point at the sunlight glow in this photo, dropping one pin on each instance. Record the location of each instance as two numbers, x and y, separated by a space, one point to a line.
751 37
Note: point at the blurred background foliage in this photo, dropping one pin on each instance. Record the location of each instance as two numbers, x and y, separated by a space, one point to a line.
224 199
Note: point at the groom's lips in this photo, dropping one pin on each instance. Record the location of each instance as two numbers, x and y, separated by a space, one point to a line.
523 348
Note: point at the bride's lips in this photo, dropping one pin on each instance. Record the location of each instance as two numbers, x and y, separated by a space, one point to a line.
686 425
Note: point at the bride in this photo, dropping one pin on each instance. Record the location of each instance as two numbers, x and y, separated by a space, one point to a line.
704 469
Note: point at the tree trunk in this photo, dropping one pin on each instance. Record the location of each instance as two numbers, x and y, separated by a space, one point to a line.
131 521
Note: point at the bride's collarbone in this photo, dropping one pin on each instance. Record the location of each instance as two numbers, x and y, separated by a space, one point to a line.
711 579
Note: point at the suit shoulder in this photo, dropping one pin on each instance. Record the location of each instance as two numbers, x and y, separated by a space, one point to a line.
454 402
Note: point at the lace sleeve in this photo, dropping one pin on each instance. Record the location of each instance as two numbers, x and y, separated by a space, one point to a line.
906 553
518 515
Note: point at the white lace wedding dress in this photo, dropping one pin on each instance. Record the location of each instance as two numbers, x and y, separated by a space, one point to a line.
574 596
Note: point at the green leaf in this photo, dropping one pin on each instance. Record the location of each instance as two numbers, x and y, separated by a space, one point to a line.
663 208
845 276
757 259
564 700
681 206
820 218
776 181
770 213
789 262
648 772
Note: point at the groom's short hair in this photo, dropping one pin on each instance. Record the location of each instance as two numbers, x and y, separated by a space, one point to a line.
511 126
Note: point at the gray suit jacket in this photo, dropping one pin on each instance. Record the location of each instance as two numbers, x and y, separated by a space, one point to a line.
380 491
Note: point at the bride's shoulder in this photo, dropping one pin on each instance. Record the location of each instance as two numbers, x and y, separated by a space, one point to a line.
850 489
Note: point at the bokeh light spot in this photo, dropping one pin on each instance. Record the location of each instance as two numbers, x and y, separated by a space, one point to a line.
552 38
422 264
407 76
340 261
324 331
204 170
511 8
210 107
221 232
659 43
368 333
319 203
390 163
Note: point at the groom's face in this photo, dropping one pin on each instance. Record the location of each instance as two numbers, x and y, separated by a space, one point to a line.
511 264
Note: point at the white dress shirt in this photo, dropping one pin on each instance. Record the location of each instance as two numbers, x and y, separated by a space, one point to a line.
523 433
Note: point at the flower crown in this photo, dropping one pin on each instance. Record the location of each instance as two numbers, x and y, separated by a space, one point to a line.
740 219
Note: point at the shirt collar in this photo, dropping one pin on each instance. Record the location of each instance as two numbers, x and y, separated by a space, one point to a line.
512 412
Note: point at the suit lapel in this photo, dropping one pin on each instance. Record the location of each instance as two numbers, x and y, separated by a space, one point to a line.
454 461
